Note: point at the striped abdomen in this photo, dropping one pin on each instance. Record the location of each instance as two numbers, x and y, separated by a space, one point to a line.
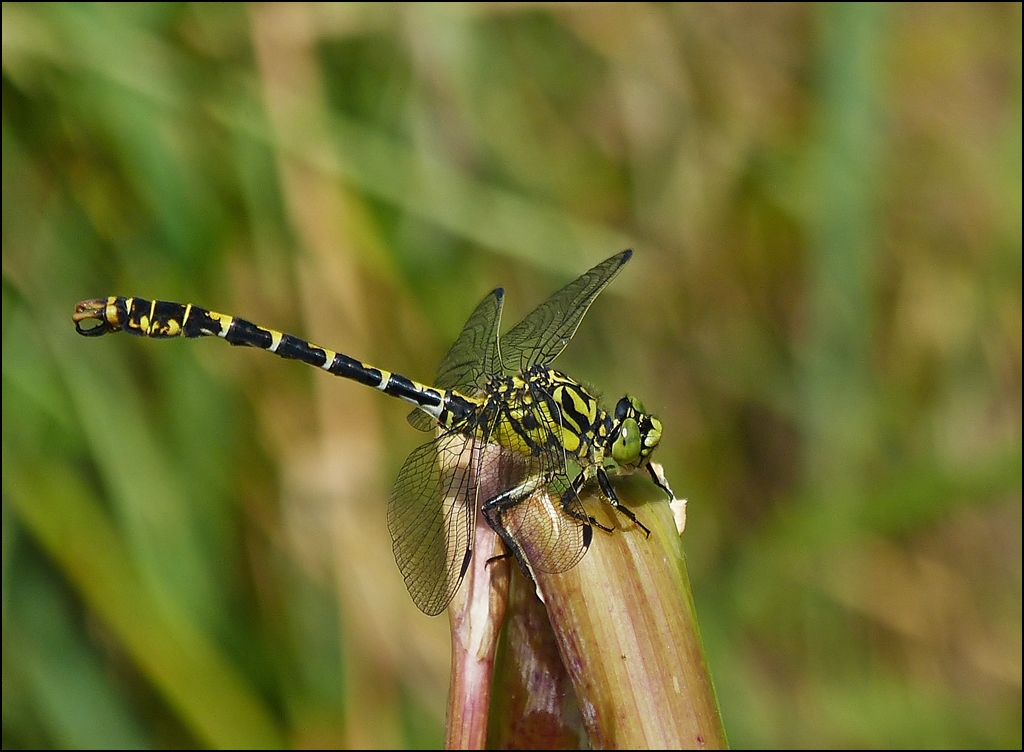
163 319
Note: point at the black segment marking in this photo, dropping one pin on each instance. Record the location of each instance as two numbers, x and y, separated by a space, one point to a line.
350 368
399 386
245 333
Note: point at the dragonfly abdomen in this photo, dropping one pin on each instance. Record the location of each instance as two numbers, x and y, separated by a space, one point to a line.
164 319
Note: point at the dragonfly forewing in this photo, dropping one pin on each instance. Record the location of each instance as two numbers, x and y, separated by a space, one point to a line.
542 335
472 357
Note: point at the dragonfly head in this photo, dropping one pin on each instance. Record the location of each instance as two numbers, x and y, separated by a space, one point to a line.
634 434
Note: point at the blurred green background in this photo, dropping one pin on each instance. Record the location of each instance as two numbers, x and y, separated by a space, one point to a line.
824 309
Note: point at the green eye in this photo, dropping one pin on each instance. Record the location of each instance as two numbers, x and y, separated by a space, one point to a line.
653 434
626 447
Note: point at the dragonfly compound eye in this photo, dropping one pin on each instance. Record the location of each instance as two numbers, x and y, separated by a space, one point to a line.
626 447
652 435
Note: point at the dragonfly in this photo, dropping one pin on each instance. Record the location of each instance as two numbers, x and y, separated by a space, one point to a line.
495 401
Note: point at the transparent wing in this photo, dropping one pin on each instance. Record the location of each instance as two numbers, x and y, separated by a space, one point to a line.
544 333
550 526
471 358
430 516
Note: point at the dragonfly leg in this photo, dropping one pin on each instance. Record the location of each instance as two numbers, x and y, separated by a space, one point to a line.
576 509
508 524
658 483
494 508
609 492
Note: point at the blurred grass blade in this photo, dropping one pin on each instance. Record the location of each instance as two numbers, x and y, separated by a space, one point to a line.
81 703
208 694
429 187
843 221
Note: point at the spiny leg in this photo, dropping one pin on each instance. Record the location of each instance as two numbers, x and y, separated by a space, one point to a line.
657 481
535 528
492 510
573 505
609 492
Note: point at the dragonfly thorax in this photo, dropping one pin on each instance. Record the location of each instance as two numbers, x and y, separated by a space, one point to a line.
543 411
